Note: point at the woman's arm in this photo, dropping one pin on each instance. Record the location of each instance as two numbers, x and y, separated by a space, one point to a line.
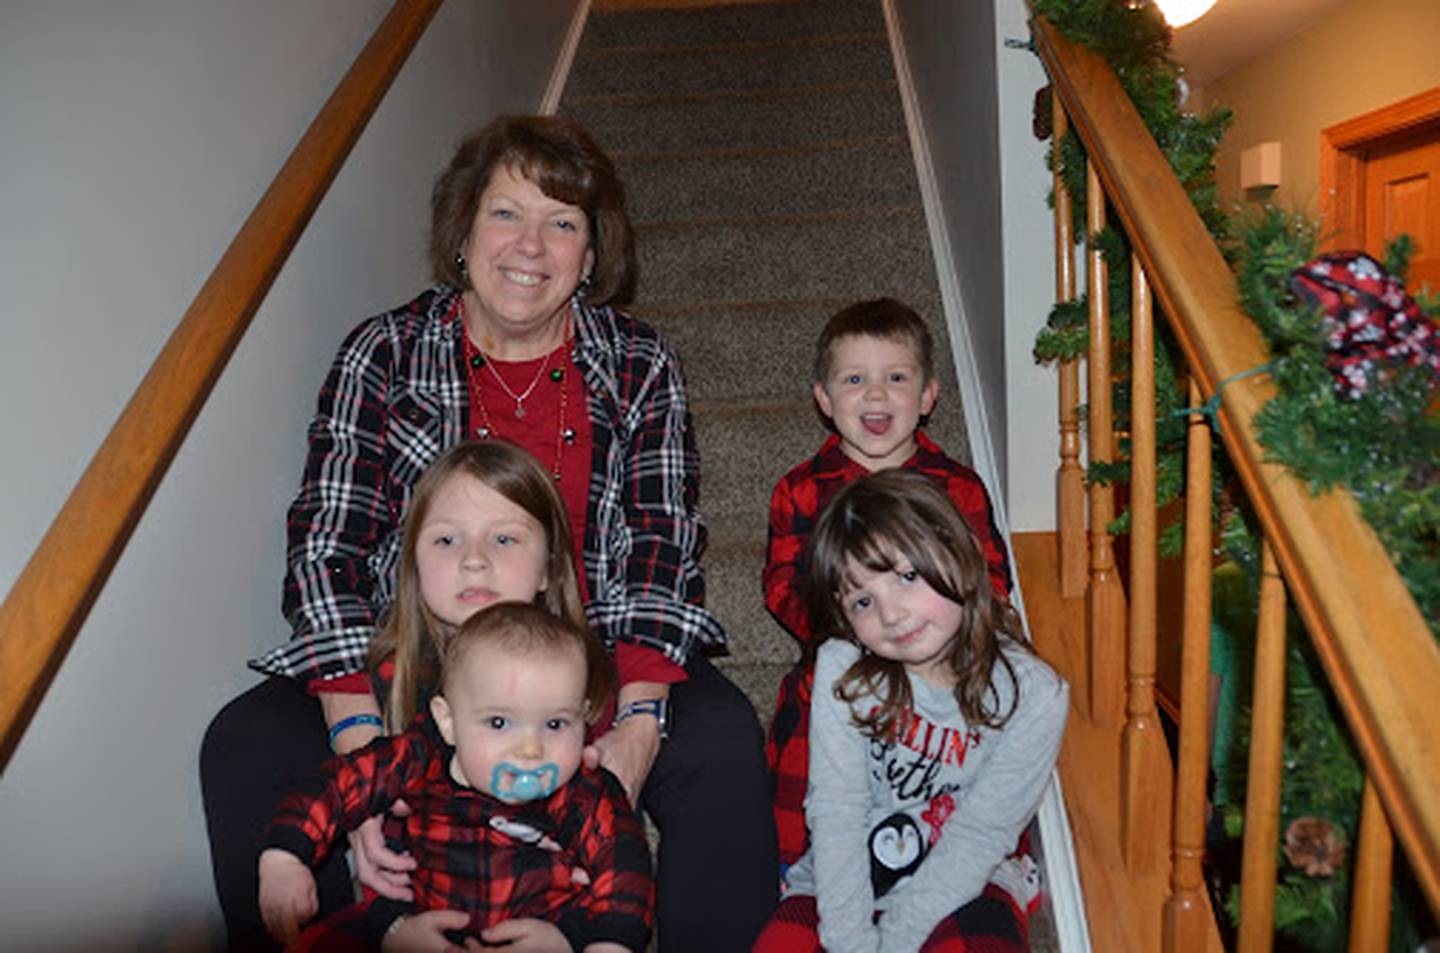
990 816
837 808
341 516
647 586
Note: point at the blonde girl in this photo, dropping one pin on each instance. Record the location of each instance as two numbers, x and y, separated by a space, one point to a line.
485 524
934 730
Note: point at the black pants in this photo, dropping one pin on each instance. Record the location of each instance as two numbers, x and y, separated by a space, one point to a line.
717 872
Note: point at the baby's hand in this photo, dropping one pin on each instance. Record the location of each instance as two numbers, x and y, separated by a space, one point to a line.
425 933
287 893
527 936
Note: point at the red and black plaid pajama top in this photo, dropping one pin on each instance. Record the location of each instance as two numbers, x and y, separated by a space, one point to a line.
478 854
797 502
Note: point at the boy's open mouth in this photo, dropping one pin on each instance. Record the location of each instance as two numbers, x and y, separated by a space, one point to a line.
876 424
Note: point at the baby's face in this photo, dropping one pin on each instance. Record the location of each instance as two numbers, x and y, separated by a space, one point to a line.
517 720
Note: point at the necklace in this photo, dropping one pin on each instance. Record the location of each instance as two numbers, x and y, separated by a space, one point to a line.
521 397
475 360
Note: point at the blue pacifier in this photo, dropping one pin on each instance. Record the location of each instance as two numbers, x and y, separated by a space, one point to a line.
511 783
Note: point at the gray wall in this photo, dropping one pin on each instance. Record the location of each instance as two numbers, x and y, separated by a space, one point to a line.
138 136
974 98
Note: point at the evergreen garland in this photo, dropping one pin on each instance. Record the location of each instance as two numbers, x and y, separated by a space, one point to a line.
1383 447
1136 42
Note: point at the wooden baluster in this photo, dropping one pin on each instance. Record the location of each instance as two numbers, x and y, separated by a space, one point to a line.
1262 794
1070 478
1370 903
1106 600
1185 914
1142 753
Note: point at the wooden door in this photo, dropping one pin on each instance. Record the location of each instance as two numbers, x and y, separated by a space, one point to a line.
1402 195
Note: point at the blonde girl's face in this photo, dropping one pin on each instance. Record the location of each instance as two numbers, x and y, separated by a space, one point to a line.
897 615
475 548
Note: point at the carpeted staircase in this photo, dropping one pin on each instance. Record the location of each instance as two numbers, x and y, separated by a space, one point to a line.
770 177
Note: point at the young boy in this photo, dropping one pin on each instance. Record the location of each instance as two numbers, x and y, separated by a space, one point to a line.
875 381
507 827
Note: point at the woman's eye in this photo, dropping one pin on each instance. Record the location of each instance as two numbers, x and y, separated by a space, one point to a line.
502 213
567 225
497 722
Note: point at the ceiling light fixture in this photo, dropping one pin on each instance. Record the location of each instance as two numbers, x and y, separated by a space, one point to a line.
1177 13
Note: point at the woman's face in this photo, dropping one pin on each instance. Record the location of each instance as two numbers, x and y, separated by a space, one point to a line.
525 256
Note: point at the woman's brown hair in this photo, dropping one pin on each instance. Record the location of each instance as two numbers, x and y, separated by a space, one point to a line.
558 155
880 521
411 634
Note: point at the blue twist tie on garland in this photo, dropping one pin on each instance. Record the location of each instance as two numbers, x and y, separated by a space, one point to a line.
1211 408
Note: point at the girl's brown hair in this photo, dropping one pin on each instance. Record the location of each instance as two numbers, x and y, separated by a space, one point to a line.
558 155
880 521
411 634
529 630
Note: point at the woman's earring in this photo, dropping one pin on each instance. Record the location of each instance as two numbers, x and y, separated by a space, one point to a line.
460 263
584 285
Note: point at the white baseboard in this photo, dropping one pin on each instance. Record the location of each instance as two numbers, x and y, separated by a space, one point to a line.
1062 874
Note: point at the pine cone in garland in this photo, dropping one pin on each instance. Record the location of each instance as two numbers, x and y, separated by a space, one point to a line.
1315 846
1042 122
1371 325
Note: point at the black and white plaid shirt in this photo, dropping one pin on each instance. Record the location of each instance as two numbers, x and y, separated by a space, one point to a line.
396 398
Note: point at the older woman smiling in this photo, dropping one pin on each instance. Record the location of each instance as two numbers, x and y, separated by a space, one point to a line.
520 340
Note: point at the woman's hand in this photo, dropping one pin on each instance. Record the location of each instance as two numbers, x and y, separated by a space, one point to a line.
287 894
425 933
627 751
377 866
527 936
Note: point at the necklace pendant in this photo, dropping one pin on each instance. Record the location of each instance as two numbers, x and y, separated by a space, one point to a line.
483 433
519 410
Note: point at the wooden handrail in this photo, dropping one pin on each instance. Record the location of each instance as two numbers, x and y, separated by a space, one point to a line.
49 601
1380 657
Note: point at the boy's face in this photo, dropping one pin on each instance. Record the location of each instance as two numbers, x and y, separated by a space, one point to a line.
517 721
875 395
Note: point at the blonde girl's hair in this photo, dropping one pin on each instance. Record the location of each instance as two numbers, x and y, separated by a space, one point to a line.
410 633
527 630
880 521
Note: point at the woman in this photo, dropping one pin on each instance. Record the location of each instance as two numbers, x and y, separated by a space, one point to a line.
532 247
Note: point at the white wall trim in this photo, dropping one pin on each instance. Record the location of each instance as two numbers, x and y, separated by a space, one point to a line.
972 398
1062 878
565 61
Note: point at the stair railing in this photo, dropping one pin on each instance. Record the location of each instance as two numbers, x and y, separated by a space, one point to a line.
1318 553
49 601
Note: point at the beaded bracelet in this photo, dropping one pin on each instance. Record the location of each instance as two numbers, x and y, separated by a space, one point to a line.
344 724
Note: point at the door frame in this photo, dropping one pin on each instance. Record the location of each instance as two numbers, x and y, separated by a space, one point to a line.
1342 163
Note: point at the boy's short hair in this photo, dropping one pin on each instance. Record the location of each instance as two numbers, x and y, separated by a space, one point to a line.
882 318
526 629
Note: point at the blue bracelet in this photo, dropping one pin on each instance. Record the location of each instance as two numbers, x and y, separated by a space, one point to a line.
346 723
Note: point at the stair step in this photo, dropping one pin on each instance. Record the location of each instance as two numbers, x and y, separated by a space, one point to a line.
711 339
746 23
734 66
726 119
857 254
733 594
778 181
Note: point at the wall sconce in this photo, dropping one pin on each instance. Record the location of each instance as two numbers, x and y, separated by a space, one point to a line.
1260 166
